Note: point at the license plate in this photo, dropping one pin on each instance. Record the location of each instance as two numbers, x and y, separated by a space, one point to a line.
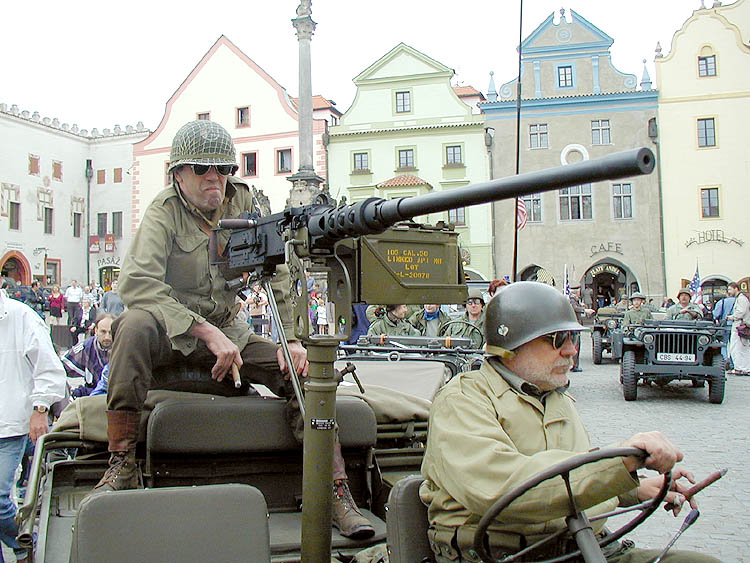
667 357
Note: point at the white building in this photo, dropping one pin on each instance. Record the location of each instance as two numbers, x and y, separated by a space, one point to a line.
44 193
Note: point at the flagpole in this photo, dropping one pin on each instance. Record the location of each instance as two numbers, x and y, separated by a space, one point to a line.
518 141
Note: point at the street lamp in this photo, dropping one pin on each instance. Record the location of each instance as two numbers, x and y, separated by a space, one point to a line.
89 175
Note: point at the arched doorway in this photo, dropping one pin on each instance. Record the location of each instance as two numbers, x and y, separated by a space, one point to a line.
609 281
15 265
537 274
107 275
714 288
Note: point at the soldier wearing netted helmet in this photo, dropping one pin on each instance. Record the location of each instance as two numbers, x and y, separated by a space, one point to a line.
494 428
180 311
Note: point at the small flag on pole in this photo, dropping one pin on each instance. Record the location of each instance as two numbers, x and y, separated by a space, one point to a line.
566 282
695 287
522 215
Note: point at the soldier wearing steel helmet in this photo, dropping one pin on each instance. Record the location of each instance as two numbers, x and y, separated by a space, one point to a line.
494 428
180 310
684 310
637 313
471 324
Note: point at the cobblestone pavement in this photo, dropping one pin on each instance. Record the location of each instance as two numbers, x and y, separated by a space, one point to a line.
710 436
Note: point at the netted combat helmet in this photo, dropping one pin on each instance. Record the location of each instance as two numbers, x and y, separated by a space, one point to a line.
202 142
523 311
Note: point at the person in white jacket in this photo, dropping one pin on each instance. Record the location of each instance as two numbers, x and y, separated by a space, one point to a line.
31 379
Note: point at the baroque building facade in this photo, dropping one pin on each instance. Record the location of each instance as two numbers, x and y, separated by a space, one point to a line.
575 105
704 116
256 110
408 132
45 199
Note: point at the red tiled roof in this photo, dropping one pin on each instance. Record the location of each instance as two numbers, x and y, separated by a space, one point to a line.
403 180
319 102
463 91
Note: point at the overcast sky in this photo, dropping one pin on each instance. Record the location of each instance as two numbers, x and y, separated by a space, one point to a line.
98 64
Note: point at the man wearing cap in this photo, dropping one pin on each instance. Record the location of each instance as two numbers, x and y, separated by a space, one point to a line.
684 310
181 312
638 313
492 429
471 325
393 323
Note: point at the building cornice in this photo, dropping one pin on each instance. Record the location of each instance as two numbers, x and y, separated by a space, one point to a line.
563 101
382 129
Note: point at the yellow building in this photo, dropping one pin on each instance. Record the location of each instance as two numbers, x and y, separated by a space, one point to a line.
703 123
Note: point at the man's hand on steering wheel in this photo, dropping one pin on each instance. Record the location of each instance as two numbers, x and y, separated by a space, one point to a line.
662 453
650 487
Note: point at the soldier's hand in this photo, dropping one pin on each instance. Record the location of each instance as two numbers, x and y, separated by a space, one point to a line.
662 455
225 350
299 358
651 486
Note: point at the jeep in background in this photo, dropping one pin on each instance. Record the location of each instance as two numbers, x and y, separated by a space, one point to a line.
664 351
607 321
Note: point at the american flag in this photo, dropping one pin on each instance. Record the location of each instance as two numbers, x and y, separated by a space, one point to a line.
695 287
521 215
566 282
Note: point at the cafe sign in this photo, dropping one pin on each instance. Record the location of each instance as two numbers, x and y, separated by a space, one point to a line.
609 246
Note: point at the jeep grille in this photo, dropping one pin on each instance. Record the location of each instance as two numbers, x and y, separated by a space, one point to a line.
676 343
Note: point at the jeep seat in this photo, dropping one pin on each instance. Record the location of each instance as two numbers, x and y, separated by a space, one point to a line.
214 523
406 522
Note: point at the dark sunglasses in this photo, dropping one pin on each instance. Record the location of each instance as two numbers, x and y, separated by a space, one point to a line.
223 169
558 339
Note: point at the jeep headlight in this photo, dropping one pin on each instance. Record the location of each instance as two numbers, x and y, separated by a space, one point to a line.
611 324
648 339
703 340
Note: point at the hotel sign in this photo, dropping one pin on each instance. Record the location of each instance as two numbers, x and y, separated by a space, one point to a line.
712 235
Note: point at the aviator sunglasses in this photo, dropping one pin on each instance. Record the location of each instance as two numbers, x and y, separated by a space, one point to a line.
223 169
557 339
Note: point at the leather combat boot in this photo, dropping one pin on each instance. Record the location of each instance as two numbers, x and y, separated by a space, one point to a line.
346 516
122 432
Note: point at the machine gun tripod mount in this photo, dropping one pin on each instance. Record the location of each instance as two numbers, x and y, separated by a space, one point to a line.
370 256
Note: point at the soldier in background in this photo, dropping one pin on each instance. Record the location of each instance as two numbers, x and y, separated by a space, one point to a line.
638 313
684 310
471 325
393 323
429 320
581 313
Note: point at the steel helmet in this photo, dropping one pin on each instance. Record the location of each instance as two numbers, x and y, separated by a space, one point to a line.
524 311
475 293
638 295
202 142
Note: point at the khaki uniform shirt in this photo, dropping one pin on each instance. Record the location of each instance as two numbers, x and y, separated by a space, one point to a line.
428 328
636 317
673 313
386 325
167 272
488 436
460 330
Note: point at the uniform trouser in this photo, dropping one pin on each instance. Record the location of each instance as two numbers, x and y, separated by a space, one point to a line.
141 346
629 555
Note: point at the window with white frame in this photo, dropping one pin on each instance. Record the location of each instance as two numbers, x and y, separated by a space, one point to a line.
77 207
9 193
538 136
403 102
44 208
101 224
600 133
565 76
707 66
575 203
622 201
453 155
117 224
361 161
457 216
706 132
709 202
406 158
77 217
533 203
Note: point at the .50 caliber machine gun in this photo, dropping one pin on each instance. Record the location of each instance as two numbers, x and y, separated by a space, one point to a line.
367 258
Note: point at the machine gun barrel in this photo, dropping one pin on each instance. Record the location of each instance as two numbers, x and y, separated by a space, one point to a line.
375 215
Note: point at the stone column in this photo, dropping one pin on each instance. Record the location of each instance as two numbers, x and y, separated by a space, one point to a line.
306 183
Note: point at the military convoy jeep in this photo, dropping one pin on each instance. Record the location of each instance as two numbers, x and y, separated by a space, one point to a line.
607 320
663 351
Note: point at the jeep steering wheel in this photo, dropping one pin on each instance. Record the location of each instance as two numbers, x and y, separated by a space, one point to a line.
577 521
475 328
